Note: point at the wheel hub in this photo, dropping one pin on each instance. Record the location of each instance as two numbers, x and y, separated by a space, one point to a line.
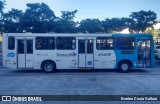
125 67
48 67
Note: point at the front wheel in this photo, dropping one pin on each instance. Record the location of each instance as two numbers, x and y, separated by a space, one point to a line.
49 66
124 67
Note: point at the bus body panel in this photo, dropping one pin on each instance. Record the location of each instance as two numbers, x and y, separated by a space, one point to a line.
64 59
125 57
11 57
105 59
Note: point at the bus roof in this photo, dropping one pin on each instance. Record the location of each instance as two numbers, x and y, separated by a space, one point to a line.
134 35
74 34
55 34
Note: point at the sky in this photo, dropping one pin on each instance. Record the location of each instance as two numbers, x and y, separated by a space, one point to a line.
100 9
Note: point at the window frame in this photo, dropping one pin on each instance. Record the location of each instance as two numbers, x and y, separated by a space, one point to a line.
79 48
9 47
90 50
106 39
28 46
45 43
65 38
126 37
21 46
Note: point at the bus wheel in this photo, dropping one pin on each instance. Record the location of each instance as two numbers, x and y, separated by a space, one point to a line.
49 66
124 67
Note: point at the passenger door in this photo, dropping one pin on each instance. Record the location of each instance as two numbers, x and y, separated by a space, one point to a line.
85 53
29 53
144 53
25 53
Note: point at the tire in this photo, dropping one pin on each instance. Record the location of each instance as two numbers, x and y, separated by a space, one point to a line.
124 67
49 66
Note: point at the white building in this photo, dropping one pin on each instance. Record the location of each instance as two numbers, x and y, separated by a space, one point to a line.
157 25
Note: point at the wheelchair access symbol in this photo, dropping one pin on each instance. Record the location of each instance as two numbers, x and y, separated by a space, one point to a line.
89 62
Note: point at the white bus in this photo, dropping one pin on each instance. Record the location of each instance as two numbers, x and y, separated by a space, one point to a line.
51 51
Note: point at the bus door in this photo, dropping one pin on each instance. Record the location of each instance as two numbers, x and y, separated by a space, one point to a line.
25 53
144 53
85 53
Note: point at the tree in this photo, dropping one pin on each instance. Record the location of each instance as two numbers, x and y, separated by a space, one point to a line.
67 15
150 31
90 26
38 18
142 20
115 24
154 32
66 24
12 21
2 3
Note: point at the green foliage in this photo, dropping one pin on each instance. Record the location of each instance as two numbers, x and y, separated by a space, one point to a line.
2 3
90 26
155 33
66 24
37 18
68 16
142 20
150 31
12 21
115 24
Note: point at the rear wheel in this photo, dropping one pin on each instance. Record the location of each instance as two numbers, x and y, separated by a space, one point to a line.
49 66
124 67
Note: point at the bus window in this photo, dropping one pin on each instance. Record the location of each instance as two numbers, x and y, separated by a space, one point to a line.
105 43
21 46
81 45
66 43
11 43
29 46
45 43
89 46
124 43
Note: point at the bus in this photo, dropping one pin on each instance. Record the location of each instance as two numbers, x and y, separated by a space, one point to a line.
52 51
